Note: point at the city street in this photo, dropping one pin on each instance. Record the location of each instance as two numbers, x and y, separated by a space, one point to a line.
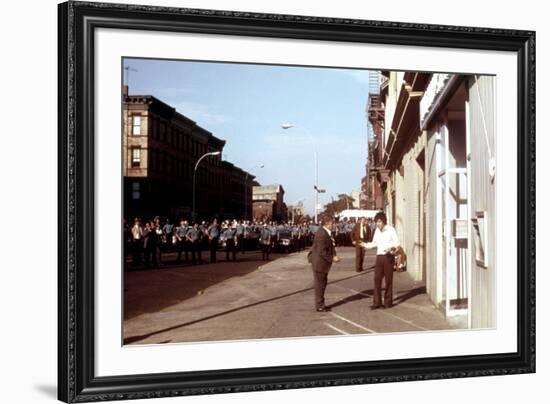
252 299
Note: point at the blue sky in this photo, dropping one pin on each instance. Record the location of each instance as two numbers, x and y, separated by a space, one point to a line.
246 104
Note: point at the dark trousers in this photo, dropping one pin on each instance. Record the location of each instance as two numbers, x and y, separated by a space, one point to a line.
230 248
137 249
240 243
266 250
183 247
213 248
359 258
319 286
151 255
383 269
196 251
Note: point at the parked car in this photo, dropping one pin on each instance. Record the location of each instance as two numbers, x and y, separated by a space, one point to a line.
285 242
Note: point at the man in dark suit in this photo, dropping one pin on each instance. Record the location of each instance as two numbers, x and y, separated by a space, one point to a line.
360 234
323 254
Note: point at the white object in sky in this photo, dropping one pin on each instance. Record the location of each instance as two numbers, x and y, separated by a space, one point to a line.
287 125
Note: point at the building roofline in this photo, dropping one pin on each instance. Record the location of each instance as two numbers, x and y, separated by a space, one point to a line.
174 113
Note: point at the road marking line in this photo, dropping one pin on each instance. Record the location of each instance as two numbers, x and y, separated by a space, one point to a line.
352 323
279 278
385 312
360 293
405 321
337 329
352 290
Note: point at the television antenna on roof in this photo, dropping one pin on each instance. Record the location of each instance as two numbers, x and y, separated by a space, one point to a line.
129 69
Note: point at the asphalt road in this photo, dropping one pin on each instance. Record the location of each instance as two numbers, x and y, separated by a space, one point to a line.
266 300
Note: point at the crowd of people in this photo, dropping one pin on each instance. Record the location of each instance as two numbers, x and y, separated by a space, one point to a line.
146 242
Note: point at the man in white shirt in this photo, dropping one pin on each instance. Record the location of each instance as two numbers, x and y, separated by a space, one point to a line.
385 240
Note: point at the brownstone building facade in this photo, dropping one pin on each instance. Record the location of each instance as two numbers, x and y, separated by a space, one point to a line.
160 149
268 203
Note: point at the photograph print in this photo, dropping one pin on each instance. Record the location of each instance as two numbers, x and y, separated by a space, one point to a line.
283 201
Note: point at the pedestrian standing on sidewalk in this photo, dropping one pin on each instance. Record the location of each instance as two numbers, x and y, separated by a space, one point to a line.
360 235
322 255
384 239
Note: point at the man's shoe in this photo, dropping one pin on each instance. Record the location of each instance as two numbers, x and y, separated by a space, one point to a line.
375 306
359 270
388 306
323 309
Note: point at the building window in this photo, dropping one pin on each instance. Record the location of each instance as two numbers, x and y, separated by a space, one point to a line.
136 157
480 238
136 125
135 190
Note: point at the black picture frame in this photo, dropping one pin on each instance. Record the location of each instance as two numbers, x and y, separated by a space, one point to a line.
77 22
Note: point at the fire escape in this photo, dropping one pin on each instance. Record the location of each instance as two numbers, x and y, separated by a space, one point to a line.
376 173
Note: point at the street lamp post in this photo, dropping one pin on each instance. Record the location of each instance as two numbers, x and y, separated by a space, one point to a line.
246 190
216 153
316 186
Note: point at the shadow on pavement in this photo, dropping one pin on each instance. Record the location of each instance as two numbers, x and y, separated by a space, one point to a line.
134 339
367 293
409 295
151 290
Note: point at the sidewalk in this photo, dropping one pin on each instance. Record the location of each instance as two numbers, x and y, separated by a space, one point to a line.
253 299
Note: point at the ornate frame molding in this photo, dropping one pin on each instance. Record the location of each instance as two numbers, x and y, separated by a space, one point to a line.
77 21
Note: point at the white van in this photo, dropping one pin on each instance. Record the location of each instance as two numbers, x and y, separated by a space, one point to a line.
357 213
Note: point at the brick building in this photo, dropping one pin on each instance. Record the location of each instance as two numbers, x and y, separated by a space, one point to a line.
160 149
268 203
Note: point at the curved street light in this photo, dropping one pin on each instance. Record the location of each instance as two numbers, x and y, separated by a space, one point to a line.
216 153
318 191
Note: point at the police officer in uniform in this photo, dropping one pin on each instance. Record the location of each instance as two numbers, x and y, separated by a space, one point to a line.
194 236
213 233
239 228
181 240
230 242
265 242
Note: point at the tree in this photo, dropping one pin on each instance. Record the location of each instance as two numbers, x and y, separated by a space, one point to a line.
336 206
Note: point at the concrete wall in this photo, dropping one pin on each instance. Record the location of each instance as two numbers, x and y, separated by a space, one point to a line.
482 107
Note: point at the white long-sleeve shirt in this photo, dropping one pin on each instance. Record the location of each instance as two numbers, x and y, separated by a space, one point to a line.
384 240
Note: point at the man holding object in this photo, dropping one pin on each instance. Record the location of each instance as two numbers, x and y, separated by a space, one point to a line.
385 240
360 235
323 254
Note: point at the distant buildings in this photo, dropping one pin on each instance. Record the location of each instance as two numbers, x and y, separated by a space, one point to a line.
268 203
356 196
296 212
160 149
